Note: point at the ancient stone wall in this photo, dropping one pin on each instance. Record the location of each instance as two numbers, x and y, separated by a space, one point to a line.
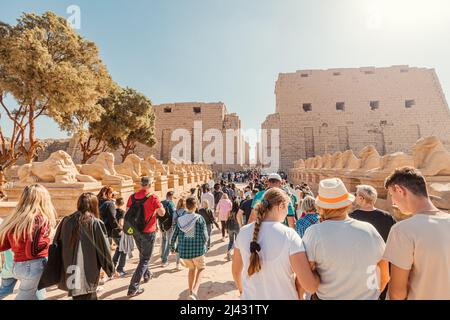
325 111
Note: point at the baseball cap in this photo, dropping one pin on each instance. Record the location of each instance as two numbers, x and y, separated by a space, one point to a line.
146 181
274 176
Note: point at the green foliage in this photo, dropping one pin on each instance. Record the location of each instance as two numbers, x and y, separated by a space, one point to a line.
128 119
49 69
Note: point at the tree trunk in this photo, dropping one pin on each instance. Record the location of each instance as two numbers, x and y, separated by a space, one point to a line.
128 149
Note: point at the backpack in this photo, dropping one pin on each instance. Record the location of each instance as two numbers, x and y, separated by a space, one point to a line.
134 221
165 221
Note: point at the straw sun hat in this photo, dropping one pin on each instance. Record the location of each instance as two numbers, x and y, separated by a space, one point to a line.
333 194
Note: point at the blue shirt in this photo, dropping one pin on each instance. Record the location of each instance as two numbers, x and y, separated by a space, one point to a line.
304 223
8 257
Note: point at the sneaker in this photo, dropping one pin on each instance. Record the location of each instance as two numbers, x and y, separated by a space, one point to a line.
165 264
135 293
228 257
147 279
122 274
192 297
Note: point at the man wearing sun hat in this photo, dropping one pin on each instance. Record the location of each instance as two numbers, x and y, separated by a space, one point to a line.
345 251
274 181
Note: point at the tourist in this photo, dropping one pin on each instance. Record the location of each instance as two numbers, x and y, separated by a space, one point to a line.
308 206
167 228
192 237
268 254
145 240
7 280
245 208
85 249
180 211
418 247
26 231
232 226
107 209
207 196
208 215
274 181
366 197
217 195
223 209
345 252
193 193
120 257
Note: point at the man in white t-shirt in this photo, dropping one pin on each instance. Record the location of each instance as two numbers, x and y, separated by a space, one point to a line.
418 247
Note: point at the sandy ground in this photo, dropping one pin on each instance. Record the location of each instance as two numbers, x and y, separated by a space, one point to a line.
168 283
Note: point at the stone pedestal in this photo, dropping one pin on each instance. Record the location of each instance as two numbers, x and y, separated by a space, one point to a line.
173 182
161 186
183 182
6 207
125 189
64 196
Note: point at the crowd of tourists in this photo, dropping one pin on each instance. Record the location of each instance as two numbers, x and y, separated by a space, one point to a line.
284 241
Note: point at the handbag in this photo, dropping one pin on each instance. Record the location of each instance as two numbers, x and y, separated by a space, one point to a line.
54 268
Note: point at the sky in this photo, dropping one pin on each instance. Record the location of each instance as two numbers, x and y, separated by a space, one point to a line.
233 50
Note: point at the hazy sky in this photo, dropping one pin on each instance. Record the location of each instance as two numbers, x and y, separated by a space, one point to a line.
233 50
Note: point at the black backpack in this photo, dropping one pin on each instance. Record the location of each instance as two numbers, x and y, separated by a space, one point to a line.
134 221
165 222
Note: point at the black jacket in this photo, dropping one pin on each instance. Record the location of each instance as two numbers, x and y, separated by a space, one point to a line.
107 210
207 214
90 254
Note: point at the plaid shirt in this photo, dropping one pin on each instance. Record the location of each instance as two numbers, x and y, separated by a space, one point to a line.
190 248
304 223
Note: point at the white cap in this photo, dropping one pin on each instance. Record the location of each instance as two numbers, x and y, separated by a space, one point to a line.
274 176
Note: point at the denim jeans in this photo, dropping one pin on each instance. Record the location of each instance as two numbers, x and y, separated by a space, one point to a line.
29 273
7 287
119 257
165 244
233 234
209 229
144 243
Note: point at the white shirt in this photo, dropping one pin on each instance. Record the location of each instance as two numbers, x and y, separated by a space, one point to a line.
346 254
207 197
275 280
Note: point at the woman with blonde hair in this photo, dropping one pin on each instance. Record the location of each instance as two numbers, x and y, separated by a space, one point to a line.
268 254
27 233
180 211
346 253
309 215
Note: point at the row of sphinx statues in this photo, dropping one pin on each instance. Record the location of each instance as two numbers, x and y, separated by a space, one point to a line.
60 168
428 155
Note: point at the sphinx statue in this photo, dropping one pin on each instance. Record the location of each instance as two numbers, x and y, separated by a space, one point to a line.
131 167
389 163
351 161
431 157
58 168
370 158
157 166
103 169
318 163
327 158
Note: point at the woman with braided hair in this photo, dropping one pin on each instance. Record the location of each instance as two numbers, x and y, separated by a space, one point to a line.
269 260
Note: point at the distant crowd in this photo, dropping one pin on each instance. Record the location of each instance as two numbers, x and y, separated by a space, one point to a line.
284 241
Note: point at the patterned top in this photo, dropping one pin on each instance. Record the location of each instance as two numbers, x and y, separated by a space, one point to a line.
305 222
191 244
